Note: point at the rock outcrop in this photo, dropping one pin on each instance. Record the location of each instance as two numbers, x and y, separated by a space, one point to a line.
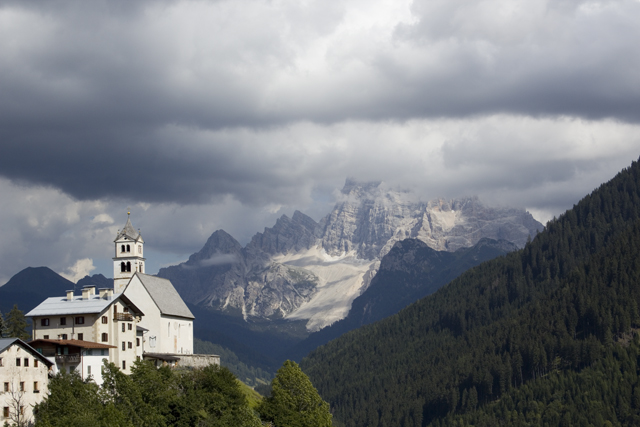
303 270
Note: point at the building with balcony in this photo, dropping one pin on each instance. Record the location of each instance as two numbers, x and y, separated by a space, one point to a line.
86 323
69 355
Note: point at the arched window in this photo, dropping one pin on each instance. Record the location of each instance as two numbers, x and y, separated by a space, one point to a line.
122 248
128 248
123 267
128 266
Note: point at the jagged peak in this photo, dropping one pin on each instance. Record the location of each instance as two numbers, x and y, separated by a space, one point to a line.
352 184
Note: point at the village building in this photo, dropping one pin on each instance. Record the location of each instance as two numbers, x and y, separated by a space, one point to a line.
24 378
142 317
104 322
85 357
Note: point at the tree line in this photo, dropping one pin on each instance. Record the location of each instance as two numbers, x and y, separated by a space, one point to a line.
206 397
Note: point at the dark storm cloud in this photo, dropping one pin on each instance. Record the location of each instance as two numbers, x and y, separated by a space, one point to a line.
188 102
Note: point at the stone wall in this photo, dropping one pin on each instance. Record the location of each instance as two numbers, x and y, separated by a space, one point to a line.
197 360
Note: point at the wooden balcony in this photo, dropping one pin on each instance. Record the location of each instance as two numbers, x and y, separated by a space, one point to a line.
123 317
68 358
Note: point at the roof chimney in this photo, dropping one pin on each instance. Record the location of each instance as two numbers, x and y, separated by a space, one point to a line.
91 288
70 295
86 293
106 293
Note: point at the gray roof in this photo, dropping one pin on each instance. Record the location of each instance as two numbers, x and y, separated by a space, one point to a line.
165 296
128 231
55 306
7 342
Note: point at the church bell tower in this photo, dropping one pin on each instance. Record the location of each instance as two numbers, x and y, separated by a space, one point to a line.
129 257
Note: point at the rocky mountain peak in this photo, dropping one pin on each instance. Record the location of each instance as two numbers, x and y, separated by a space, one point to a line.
306 270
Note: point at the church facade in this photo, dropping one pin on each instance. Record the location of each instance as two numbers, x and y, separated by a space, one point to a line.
142 317
167 323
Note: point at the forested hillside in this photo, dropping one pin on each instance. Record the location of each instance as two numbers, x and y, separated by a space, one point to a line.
558 305
410 271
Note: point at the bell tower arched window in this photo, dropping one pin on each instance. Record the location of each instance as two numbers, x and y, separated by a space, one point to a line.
128 248
122 248
123 267
128 266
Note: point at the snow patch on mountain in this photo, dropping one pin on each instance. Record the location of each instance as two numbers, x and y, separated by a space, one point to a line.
340 281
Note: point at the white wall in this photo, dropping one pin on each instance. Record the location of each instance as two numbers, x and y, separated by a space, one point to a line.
14 375
167 334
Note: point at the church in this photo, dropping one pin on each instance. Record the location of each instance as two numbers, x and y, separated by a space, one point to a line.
167 324
141 317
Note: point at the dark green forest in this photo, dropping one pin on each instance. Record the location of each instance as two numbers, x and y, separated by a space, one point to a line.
558 311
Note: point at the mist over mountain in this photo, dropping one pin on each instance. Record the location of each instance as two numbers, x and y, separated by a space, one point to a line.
307 271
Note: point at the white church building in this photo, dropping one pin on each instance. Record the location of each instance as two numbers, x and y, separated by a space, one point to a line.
167 324
142 317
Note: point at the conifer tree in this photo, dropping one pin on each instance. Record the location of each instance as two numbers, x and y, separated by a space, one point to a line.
16 324
3 327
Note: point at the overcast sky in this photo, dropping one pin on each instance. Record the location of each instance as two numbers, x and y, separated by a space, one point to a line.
201 115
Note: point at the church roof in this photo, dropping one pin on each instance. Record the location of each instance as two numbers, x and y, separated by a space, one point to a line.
128 231
165 296
55 306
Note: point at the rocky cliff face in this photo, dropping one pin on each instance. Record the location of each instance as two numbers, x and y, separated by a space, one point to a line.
303 270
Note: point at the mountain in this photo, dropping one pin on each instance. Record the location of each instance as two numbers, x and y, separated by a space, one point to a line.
410 271
566 303
308 272
30 287
97 280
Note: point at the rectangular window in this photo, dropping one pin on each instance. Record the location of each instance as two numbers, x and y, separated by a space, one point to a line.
5 412
137 342
36 389
124 364
21 410
44 322
46 337
81 337
123 327
105 320
6 387
126 309
130 344
35 362
64 336
18 361
89 370
105 337
124 346
130 326
26 362
63 321
80 320
0 362
21 385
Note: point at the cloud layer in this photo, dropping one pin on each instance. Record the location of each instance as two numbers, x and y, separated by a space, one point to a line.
226 114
